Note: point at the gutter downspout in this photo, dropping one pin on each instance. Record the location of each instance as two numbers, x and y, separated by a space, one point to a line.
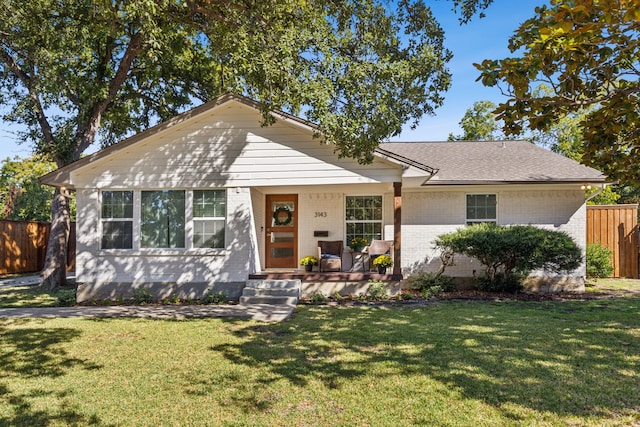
604 185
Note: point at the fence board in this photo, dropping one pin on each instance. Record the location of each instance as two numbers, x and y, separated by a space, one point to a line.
616 226
23 246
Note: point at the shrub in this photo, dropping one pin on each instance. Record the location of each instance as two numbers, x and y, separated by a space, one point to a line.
318 298
500 283
514 251
599 261
377 290
404 296
66 297
432 291
214 298
421 280
142 296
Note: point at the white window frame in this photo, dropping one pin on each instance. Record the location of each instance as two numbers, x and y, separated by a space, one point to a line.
472 221
104 220
348 221
195 218
136 248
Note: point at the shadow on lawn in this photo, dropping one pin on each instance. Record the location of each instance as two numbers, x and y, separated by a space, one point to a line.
572 359
32 352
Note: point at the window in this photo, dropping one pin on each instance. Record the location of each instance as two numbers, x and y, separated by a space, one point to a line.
481 208
364 217
117 219
162 219
209 212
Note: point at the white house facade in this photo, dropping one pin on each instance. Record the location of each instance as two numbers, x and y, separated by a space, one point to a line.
210 197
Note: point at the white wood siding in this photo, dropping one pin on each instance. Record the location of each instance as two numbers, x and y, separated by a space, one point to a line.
227 147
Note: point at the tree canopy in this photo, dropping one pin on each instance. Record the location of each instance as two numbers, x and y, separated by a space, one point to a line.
587 52
479 123
21 195
74 71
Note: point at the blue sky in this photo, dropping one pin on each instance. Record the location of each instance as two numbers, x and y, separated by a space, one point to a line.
481 39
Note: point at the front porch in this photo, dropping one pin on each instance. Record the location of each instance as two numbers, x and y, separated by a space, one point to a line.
331 276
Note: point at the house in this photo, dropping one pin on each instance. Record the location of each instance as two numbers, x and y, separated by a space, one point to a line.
205 200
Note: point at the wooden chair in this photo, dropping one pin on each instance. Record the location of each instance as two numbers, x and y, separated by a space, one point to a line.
330 255
379 247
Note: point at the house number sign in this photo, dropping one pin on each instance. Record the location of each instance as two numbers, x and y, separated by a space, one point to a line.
321 215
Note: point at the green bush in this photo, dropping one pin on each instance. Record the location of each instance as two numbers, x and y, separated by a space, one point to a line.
66 297
500 283
377 290
599 261
143 296
421 280
318 298
432 291
512 252
214 298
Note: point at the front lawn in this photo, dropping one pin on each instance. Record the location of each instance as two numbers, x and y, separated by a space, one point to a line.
448 363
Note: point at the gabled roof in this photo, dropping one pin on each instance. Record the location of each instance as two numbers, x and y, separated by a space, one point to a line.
486 162
452 163
61 175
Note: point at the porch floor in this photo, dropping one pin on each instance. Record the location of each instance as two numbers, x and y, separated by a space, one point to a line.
329 276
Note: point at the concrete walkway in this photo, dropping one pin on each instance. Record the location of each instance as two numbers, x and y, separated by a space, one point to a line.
262 312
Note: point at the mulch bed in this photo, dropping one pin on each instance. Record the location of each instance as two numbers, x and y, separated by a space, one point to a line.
473 295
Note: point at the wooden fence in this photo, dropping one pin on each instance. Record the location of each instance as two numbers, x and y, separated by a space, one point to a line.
616 226
23 246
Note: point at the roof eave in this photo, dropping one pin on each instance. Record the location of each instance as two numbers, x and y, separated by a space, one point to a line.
585 181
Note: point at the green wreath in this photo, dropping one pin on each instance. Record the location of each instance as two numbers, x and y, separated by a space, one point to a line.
276 216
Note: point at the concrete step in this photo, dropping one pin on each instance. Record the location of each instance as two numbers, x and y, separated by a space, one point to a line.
250 300
274 284
282 292
271 292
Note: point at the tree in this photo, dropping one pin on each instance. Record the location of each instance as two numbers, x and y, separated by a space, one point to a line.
21 195
479 124
587 52
79 70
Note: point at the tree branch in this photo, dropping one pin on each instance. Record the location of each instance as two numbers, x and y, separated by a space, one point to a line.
86 134
27 81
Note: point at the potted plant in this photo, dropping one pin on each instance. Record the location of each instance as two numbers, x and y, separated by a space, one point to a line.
309 261
382 262
357 243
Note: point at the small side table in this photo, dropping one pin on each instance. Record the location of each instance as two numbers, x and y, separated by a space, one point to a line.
358 261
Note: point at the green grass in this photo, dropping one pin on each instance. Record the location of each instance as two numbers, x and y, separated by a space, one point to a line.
26 296
451 363
618 287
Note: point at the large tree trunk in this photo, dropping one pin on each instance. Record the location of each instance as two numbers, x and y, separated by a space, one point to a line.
54 273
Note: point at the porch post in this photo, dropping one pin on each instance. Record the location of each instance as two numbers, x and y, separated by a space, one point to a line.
397 227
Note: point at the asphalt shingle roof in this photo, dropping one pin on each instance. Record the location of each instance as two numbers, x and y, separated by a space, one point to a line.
463 162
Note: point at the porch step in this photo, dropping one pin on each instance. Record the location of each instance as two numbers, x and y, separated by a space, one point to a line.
271 292
250 300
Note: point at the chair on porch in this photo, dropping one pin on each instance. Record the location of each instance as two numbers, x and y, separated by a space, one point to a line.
379 247
330 255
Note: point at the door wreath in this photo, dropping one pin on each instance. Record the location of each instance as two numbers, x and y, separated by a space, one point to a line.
282 216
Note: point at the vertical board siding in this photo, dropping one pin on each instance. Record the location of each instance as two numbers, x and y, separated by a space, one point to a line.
24 246
616 226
